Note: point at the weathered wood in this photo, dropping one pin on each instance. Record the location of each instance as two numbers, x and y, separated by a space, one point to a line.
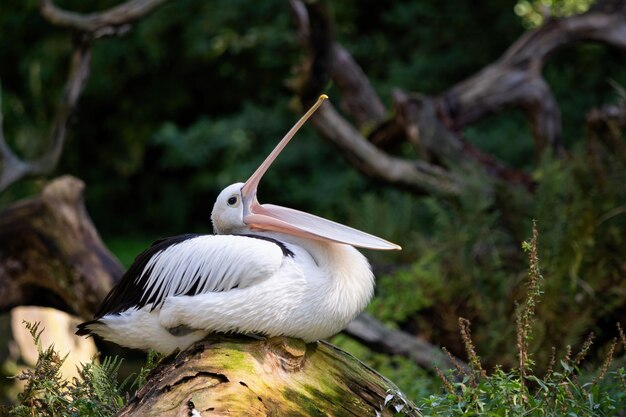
242 376
51 254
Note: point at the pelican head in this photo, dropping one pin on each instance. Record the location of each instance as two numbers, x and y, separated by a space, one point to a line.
237 209
227 214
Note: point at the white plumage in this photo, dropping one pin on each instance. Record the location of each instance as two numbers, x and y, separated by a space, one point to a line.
268 270
203 262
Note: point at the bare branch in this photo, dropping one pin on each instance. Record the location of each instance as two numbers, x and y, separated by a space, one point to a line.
419 117
435 143
380 338
74 86
515 79
13 168
358 97
416 175
106 23
535 46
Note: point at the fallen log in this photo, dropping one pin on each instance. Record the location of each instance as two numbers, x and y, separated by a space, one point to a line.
244 376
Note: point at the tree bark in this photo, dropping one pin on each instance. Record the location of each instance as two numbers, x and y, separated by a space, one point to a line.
241 376
51 254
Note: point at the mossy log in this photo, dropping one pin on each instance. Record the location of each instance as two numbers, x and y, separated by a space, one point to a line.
244 376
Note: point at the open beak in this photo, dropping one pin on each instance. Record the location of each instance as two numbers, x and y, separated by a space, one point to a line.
281 219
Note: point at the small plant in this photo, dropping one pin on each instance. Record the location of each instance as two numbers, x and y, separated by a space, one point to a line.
95 392
565 391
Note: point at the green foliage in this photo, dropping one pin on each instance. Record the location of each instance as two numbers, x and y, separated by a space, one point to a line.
126 248
152 360
535 12
520 391
95 392
45 387
503 394
409 299
470 266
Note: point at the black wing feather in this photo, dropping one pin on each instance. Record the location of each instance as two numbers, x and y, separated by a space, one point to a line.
129 292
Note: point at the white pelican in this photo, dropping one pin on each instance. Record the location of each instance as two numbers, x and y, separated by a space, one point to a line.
267 270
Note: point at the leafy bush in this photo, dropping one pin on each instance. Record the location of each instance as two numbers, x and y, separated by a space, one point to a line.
95 393
566 390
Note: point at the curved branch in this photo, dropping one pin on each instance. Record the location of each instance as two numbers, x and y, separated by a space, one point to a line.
14 168
105 23
74 86
515 79
496 88
416 175
535 46
436 145
328 58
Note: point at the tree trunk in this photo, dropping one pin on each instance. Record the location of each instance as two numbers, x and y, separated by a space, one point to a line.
51 254
242 376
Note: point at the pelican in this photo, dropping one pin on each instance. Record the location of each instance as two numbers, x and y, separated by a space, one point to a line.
267 270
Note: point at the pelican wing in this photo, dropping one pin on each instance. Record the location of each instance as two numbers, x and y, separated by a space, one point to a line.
191 265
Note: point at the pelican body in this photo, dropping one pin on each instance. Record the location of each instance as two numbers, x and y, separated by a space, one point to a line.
267 270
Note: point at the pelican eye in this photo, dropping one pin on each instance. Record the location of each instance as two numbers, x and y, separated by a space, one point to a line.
233 201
